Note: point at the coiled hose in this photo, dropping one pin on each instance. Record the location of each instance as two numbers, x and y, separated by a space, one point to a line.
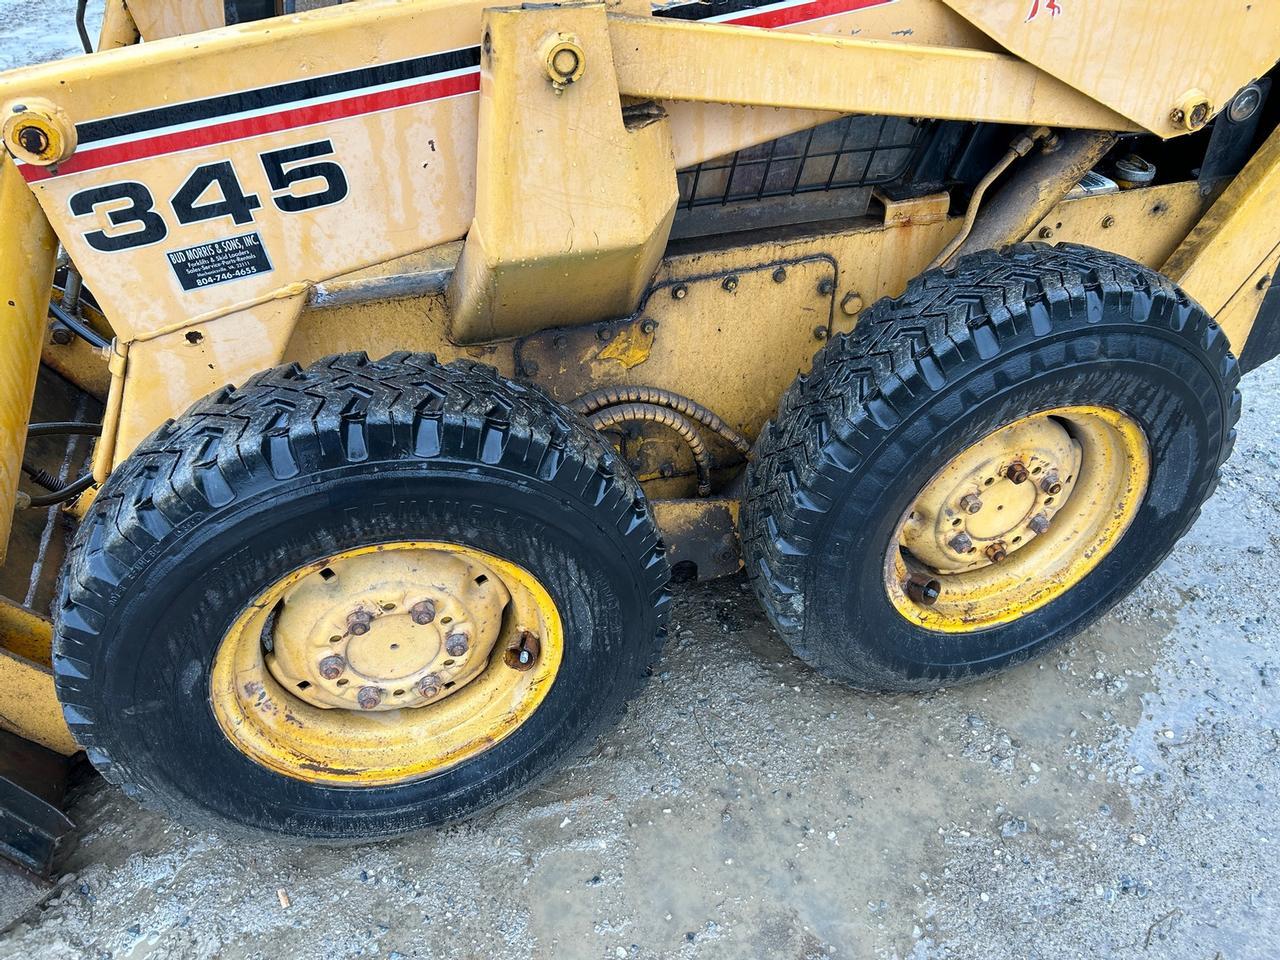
589 403
59 492
614 416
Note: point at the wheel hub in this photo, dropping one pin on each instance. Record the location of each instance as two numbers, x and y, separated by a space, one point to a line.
382 631
994 498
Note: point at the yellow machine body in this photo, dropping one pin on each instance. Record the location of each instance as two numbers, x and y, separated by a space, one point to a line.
502 183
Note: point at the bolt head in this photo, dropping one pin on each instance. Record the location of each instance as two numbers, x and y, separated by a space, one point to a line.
1050 483
679 291
820 332
1039 523
730 283
1108 222
429 685
826 286
1046 233
996 552
779 275
33 139
971 503
648 325
358 628
61 336
961 543
423 612
369 697
456 644
331 667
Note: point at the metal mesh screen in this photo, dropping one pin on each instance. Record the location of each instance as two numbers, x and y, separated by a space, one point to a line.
850 152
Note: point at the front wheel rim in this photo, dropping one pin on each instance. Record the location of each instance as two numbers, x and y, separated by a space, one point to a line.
1018 519
461 647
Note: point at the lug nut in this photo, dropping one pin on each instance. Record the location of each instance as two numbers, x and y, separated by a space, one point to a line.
996 552
455 644
924 590
1051 484
369 697
331 667
1017 472
358 622
961 543
1039 523
971 503
423 612
429 685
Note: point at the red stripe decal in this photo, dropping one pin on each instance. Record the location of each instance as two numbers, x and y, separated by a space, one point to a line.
90 159
801 13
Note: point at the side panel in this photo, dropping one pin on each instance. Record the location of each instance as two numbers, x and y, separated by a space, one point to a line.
1143 58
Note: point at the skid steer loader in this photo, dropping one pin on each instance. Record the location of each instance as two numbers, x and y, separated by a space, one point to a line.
931 314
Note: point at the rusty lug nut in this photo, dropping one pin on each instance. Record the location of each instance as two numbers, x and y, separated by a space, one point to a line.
358 622
455 644
331 667
996 551
369 697
423 612
924 590
429 685
1017 472
961 543
1050 483
971 503
1039 523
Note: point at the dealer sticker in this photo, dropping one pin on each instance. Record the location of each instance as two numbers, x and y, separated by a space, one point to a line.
218 262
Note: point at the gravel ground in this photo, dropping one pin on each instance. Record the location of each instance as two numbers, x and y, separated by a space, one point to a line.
1117 798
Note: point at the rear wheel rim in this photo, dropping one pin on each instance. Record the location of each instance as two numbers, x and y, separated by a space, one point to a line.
1016 520
386 663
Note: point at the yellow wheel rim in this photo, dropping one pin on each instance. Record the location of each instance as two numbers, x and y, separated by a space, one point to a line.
386 663
1019 518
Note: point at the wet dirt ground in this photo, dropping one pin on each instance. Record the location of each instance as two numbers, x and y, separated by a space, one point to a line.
1117 798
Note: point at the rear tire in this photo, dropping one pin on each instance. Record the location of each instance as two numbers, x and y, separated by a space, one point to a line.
296 465
962 353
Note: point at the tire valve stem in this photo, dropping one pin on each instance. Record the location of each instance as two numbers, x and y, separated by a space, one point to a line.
524 654
924 590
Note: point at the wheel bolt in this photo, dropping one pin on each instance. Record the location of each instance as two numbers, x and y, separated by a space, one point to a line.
429 685
971 503
1017 472
423 612
524 653
924 590
1050 484
456 644
331 667
996 552
961 543
358 622
1039 523
369 697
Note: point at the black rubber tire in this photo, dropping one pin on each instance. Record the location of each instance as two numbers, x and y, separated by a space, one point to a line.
962 352
254 482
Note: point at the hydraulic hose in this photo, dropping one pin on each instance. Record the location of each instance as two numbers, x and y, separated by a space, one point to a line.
605 397
652 413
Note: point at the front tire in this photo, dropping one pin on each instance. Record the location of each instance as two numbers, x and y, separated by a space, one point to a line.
364 462
1065 336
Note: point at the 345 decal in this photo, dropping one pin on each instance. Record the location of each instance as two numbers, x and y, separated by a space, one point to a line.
299 180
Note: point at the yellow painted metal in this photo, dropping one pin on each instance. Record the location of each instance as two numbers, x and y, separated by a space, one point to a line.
38 132
25 633
1221 256
849 75
366 747
1145 225
119 29
157 19
28 704
1145 59
573 206
27 249
703 531
1019 518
